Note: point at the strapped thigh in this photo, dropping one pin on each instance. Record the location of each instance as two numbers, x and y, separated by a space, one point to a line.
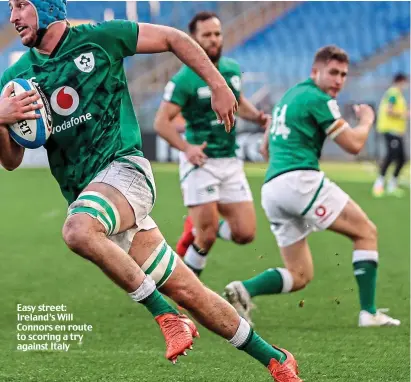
98 207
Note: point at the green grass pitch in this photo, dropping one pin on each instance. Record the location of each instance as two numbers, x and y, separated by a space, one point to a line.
126 345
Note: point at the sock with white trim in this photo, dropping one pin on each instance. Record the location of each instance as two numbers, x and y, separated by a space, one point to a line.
249 341
196 259
365 264
151 298
224 230
271 281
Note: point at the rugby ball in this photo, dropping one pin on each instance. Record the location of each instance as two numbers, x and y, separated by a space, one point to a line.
31 134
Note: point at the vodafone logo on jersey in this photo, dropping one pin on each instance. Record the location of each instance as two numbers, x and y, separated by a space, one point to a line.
64 100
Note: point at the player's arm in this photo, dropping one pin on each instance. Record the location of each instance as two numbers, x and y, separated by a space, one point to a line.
11 154
159 38
247 111
12 110
352 140
163 125
264 149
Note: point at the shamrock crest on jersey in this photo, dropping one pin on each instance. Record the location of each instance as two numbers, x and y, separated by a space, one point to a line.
85 62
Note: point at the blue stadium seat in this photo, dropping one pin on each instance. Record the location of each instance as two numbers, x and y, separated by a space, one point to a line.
400 63
4 12
361 28
176 14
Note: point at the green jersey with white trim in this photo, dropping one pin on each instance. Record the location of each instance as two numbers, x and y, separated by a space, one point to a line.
93 117
189 91
302 120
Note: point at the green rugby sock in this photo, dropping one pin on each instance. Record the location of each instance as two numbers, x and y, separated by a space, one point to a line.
262 351
157 304
271 281
247 340
365 265
147 295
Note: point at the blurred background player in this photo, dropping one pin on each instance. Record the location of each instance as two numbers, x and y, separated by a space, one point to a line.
212 177
393 115
299 199
103 175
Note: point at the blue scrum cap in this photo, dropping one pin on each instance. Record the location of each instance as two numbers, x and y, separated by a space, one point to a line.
49 11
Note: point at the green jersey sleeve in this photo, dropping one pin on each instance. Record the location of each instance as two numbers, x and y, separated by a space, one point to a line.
2 82
7 76
177 90
325 113
117 37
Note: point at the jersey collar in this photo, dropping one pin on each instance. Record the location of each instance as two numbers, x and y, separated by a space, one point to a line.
60 43
45 57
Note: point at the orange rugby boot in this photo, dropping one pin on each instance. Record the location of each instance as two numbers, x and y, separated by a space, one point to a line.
186 238
179 332
285 372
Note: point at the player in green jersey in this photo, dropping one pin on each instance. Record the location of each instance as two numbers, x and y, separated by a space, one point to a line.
212 177
95 155
297 197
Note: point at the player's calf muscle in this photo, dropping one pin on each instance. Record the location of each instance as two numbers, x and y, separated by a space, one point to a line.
206 237
367 236
301 279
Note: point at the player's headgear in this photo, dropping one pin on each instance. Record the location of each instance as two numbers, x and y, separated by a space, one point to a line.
48 12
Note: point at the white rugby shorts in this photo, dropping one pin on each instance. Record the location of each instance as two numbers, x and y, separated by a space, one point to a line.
219 180
133 177
299 202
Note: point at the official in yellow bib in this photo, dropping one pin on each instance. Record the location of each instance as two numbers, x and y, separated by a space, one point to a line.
392 122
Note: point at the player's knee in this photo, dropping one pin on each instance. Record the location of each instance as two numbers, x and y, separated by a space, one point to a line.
244 237
76 233
372 233
368 231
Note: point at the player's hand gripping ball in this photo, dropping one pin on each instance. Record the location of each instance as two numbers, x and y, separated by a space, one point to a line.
31 134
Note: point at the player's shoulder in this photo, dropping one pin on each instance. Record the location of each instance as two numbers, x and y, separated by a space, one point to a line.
227 64
103 32
18 67
310 92
393 91
109 26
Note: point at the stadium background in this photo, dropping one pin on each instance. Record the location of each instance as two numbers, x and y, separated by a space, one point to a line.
274 43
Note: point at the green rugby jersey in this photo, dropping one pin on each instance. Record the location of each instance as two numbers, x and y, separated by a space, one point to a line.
189 91
302 119
93 116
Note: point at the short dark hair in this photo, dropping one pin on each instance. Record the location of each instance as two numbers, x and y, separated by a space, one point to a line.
200 16
400 77
331 52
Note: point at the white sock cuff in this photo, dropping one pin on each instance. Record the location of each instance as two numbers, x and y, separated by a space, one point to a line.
147 287
224 231
194 260
288 280
364 255
241 334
